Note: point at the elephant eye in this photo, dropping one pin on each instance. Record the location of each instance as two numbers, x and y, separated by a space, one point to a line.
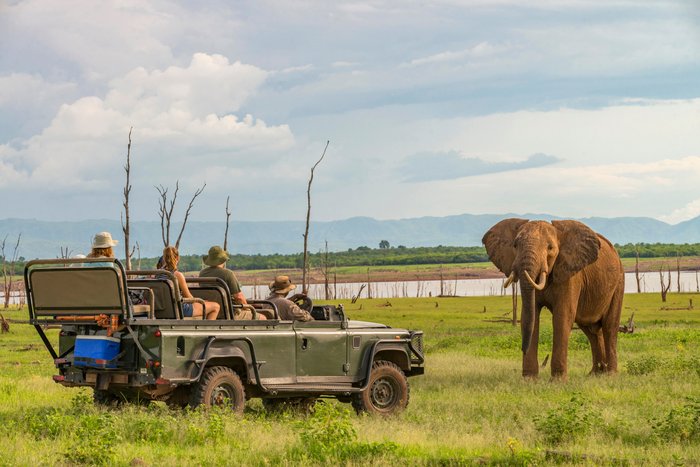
550 247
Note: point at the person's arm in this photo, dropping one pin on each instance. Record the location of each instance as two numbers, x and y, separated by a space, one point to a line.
299 314
240 298
184 290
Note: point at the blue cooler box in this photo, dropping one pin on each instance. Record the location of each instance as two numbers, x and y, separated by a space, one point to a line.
96 351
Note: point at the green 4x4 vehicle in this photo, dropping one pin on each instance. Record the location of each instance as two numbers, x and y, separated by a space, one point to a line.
148 351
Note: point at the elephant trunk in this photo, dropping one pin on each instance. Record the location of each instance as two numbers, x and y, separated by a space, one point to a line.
527 318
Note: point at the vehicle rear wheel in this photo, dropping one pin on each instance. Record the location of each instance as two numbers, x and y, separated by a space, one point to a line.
220 386
299 405
387 392
106 398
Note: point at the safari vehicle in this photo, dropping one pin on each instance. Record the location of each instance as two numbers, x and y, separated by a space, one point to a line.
147 351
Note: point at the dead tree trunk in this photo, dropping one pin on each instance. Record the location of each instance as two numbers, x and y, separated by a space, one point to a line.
678 271
636 269
228 216
369 285
166 208
514 298
305 266
127 191
664 285
8 270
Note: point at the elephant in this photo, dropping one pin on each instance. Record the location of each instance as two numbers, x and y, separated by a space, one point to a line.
580 279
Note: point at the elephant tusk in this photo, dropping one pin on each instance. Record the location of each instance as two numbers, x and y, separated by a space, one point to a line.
542 282
510 280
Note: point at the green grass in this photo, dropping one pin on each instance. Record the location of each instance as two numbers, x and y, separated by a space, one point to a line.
471 406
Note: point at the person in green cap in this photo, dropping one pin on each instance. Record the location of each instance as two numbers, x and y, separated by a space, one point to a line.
215 261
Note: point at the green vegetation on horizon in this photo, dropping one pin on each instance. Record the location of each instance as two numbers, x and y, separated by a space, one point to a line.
400 256
471 406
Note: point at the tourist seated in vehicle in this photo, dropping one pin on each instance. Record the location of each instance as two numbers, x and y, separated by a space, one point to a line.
287 309
171 258
216 267
101 247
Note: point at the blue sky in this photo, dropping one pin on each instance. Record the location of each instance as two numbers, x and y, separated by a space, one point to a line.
574 108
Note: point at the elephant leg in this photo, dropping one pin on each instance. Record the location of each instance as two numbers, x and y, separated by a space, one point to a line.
611 326
562 321
531 366
594 333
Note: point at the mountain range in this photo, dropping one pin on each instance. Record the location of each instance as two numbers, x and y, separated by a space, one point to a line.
46 238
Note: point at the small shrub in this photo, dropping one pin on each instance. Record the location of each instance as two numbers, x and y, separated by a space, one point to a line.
643 365
328 436
94 440
46 423
572 419
681 423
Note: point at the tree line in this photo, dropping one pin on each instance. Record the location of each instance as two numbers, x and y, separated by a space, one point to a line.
395 256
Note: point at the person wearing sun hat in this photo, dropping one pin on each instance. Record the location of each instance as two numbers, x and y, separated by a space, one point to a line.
216 261
287 309
102 245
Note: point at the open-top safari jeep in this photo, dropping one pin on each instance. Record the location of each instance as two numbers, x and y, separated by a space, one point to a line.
148 351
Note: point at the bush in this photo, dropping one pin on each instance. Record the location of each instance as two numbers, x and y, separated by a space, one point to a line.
94 440
571 420
681 423
328 436
643 365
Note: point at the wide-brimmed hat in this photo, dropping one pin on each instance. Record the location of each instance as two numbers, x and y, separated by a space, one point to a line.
282 284
216 256
103 240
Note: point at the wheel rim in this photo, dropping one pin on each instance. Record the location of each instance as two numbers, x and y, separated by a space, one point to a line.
384 393
222 395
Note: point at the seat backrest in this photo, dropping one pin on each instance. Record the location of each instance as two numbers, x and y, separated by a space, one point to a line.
62 291
166 305
213 293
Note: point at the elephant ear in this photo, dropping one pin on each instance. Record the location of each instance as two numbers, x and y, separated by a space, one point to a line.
499 243
578 247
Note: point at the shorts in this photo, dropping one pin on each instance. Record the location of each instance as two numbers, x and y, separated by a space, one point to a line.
187 310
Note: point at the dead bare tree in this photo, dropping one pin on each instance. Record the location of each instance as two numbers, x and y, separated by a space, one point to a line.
369 285
166 208
514 299
65 253
636 269
325 270
305 265
678 271
127 191
8 270
664 285
228 216
138 251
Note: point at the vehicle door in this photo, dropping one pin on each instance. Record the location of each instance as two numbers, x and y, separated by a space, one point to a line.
321 351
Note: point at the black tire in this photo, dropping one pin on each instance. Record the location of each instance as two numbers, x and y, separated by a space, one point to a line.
221 386
387 392
107 399
297 405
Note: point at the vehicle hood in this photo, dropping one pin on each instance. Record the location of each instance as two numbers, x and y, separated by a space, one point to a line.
352 324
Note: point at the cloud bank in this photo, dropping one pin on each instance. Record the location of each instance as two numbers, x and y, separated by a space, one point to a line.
425 167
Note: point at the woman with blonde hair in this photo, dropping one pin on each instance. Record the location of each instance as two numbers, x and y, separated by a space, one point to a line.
171 257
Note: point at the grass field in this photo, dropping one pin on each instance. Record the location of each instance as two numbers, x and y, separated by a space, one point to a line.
470 407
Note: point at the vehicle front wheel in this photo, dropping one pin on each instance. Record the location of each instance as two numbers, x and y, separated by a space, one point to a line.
387 392
220 386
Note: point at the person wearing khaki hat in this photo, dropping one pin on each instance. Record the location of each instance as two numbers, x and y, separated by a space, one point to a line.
216 267
102 245
287 309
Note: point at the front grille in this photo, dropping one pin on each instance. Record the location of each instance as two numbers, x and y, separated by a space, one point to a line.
417 343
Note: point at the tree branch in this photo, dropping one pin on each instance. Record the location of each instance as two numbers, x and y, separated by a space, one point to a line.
187 213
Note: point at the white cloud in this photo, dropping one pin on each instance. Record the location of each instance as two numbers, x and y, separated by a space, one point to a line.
480 50
178 114
684 213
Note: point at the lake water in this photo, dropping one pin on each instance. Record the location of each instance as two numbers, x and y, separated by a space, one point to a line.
469 287
463 288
